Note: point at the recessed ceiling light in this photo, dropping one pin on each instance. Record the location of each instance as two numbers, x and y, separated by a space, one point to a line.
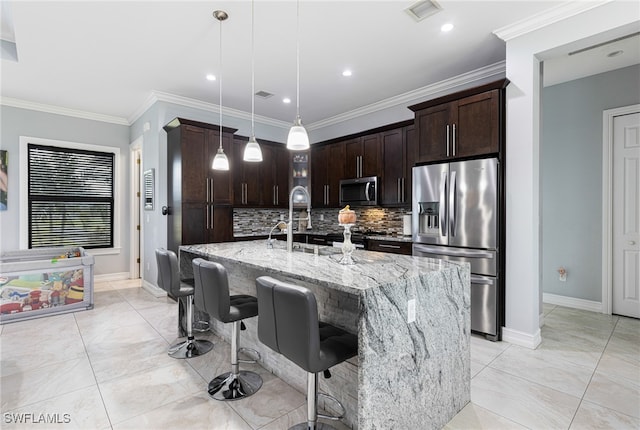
347 73
211 77
447 27
286 100
615 53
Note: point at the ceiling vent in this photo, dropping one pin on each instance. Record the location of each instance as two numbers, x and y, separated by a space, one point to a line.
423 9
263 94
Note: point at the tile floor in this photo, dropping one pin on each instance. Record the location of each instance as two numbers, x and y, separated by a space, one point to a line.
108 369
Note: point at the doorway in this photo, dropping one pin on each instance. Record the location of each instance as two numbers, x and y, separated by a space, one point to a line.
135 250
621 217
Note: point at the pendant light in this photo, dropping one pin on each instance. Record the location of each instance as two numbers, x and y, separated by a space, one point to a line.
298 140
252 151
220 161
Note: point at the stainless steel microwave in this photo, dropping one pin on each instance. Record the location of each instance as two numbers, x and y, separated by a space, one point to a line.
359 191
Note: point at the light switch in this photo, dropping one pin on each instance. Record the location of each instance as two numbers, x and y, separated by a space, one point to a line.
411 311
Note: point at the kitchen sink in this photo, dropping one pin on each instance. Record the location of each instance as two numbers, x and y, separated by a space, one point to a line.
311 249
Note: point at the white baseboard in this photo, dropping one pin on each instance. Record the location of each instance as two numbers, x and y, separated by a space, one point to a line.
520 338
112 277
572 302
153 290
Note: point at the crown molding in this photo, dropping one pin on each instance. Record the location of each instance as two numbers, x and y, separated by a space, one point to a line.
211 107
545 18
41 107
407 98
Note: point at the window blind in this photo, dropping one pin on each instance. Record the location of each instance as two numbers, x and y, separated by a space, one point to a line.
70 197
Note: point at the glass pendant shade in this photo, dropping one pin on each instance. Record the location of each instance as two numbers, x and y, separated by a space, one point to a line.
298 139
220 161
252 151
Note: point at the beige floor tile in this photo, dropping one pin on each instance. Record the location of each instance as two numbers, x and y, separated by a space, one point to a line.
298 416
81 409
623 398
581 350
140 393
192 412
140 298
484 351
164 319
476 367
52 325
273 400
529 404
618 366
474 417
546 308
594 417
126 284
110 337
544 367
49 381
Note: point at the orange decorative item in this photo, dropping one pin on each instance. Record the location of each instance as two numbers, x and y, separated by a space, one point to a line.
347 216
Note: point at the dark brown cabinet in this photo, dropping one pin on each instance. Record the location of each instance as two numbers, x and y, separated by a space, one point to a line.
398 155
327 169
262 184
199 198
394 247
462 125
363 156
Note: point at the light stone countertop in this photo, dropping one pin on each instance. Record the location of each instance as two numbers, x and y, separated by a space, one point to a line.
371 269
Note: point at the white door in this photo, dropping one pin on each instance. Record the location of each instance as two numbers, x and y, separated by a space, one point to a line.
626 215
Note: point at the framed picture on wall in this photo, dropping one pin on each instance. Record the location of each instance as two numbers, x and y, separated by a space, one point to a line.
4 180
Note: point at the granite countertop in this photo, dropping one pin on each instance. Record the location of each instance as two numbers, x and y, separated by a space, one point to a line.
390 237
372 269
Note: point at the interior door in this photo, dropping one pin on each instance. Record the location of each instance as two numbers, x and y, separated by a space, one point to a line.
626 215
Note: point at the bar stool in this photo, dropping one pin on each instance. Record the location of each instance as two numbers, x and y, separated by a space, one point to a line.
289 325
169 280
212 296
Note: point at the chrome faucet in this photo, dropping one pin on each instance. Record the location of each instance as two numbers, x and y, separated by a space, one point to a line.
290 223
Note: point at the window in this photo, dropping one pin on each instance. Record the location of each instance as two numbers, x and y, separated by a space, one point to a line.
70 197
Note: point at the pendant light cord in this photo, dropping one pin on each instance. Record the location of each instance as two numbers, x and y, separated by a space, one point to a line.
220 73
298 58
253 79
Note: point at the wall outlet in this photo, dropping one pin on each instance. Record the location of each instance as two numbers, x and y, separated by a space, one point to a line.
411 311
321 217
562 277
148 267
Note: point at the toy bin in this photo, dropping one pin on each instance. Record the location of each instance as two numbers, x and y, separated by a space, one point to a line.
40 282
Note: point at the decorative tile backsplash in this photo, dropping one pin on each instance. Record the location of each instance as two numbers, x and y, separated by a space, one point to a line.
260 221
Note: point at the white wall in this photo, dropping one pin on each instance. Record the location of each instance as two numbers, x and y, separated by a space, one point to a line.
523 291
18 122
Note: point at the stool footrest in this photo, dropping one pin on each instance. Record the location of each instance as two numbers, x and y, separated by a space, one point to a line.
337 402
252 351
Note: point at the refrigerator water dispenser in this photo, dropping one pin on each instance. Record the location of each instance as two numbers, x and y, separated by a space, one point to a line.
429 221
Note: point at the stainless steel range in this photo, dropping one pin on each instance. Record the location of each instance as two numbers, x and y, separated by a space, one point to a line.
455 217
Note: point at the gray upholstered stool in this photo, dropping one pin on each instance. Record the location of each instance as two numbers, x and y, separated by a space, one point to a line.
169 280
212 296
288 324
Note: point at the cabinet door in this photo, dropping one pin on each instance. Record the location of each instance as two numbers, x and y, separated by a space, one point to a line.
411 141
193 223
353 151
193 164
319 157
477 125
432 133
281 176
370 161
267 173
335 172
221 227
222 182
394 167
246 176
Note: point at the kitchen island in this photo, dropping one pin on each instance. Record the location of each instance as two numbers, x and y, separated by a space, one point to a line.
412 369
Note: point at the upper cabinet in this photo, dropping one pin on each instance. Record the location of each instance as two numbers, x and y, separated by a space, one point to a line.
398 155
327 169
461 125
262 184
363 156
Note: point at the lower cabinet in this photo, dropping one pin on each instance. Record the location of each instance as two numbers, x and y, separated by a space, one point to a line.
392 246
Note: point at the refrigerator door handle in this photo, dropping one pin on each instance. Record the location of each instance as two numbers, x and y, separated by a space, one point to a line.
443 205
452 205
470 253
476 279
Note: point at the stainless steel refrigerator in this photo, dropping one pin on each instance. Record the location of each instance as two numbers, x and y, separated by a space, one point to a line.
455 217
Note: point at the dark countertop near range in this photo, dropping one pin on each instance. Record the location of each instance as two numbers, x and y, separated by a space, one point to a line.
391 237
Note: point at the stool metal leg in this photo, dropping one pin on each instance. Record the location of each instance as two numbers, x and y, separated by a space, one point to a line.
236 384
312 407
191 347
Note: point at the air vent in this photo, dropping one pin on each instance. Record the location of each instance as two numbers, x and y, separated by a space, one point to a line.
423 9
263 94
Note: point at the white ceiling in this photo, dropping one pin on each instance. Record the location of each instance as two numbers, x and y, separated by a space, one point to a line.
108 57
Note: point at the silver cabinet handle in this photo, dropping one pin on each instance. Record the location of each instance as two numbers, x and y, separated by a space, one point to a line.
404 197
447 140
206 209
328 194
211 209
208 193
454 140
389 246
399 199
277 194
